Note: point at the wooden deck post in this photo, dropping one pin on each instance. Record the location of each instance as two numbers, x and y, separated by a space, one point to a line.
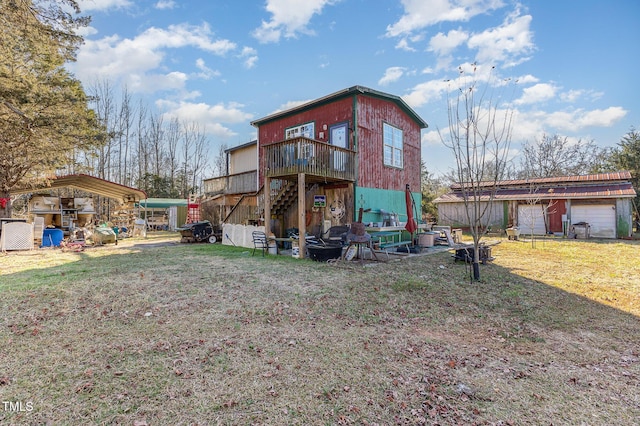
302 224
267 205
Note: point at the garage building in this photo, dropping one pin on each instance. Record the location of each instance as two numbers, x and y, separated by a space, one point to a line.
597 205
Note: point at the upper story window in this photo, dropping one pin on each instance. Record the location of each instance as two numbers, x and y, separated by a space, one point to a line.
393 145
307 130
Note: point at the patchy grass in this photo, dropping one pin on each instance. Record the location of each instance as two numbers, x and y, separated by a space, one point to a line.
208 334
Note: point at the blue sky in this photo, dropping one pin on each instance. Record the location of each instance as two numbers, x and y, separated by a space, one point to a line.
573 64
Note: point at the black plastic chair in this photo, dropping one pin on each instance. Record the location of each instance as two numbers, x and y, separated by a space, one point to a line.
259 242
338 233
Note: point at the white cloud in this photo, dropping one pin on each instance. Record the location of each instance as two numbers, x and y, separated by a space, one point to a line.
250 56
182 35
150 83
403 44
86 31
420 14
288 18
527 79
443 44
205 71
531 124
572 96
508 43
212 118
102 5
579 119
538 93
426 92
391 75
165 4
135 60
434 137
291 104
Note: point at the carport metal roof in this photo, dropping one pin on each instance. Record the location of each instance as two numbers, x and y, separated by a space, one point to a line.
91 184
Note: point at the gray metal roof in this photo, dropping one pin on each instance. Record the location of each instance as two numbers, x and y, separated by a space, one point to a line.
90 184
341 94
604 185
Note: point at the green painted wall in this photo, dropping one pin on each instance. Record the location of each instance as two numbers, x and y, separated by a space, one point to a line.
624 219
390 201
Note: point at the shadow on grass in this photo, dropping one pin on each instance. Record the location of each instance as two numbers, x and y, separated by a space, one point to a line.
147 330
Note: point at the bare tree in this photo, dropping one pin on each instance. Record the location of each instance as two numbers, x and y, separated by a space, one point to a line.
125 126
103 104
173 135
221 166
479 136
538 209
559 156
142 151
156 142
195 143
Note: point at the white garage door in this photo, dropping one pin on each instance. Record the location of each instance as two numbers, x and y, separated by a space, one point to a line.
601 219
531 219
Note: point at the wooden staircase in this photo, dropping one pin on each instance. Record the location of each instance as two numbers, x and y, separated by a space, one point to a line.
282 199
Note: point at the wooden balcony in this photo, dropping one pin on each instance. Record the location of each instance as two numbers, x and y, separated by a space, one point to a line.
319 161
240 183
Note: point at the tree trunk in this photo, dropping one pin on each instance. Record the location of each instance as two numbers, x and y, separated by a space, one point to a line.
476 270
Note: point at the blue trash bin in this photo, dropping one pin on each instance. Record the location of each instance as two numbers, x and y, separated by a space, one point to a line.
52 237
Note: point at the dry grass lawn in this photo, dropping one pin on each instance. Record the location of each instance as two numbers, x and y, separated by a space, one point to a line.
199 334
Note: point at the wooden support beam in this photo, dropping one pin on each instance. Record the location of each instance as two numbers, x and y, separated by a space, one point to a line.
267 206
302 209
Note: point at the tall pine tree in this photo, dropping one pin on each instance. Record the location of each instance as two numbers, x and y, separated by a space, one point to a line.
44 114
626 156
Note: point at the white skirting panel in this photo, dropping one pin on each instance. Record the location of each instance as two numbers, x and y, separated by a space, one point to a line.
16 236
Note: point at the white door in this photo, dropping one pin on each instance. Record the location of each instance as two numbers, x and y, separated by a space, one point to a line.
339 136
601 219
531 219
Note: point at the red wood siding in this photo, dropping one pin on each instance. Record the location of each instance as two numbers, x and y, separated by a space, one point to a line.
556 209
372 113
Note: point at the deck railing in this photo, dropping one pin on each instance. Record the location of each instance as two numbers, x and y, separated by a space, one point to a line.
239 183
303 155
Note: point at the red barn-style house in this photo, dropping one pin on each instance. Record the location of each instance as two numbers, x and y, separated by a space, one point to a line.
322 161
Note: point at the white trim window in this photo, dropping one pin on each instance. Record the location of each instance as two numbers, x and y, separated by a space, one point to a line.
393 146
307 130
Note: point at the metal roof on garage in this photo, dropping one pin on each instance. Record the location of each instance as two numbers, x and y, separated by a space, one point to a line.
604 185
90 184
558 180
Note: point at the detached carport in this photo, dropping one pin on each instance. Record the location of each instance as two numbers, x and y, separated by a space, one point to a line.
125 195
91 184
